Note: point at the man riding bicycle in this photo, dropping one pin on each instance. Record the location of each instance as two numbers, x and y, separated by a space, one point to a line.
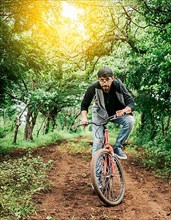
110 97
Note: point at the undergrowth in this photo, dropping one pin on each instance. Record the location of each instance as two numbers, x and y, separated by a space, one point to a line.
157 155
19 180
158 160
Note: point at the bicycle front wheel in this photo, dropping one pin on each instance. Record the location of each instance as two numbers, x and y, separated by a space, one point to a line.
107 177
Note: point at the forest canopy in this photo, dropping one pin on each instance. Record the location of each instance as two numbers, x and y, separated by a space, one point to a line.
52 49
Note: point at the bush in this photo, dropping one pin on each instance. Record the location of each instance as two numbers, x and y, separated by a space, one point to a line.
157 154
19 180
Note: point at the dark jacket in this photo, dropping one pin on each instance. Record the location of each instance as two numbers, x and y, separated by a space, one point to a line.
95 91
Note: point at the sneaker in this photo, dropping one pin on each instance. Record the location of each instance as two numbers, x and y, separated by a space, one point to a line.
119 153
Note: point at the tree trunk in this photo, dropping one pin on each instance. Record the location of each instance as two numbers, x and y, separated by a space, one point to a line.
40 127
54 115
17 125
30 123
47 124
50 119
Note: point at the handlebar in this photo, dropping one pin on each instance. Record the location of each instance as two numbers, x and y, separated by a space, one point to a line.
111 118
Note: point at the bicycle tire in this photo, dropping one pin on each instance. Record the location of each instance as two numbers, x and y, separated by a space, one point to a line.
112 189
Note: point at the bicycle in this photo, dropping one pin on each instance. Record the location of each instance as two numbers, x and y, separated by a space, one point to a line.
107 175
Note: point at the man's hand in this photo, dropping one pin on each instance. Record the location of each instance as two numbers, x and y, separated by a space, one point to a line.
84 121
121 112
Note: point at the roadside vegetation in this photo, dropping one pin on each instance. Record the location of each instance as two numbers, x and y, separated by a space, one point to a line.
20 179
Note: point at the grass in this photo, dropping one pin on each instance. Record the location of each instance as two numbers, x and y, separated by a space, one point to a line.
13 206
19 180
6 144
75 148
23 177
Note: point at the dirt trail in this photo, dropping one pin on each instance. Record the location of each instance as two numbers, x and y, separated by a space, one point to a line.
72 198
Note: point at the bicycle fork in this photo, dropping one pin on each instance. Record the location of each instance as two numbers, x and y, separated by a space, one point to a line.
107 159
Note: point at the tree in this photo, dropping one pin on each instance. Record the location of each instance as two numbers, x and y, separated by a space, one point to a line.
42 48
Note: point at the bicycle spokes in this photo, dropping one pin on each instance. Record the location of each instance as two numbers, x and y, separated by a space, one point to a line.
109 178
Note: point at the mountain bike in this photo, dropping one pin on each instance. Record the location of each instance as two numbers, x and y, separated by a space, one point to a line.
106 171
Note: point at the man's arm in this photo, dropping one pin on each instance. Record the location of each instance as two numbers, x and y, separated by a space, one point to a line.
84 117
123 111
86 103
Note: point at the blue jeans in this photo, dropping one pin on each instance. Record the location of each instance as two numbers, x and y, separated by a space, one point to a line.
127 122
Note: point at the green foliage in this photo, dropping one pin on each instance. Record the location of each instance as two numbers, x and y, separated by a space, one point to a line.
47 62
59 133
158 158
7 116
3 132
79 147
157 152
19 180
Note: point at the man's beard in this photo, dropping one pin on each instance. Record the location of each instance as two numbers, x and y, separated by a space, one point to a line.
105 88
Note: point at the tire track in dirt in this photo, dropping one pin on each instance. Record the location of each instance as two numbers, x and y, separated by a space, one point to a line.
72 198
150 197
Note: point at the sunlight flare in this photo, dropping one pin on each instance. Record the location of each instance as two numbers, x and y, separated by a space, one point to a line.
70 11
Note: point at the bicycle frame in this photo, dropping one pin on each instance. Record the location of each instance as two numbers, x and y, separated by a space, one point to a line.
110 184
110 148
106 141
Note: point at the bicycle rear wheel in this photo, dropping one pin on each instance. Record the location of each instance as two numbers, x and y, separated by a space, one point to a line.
107 177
